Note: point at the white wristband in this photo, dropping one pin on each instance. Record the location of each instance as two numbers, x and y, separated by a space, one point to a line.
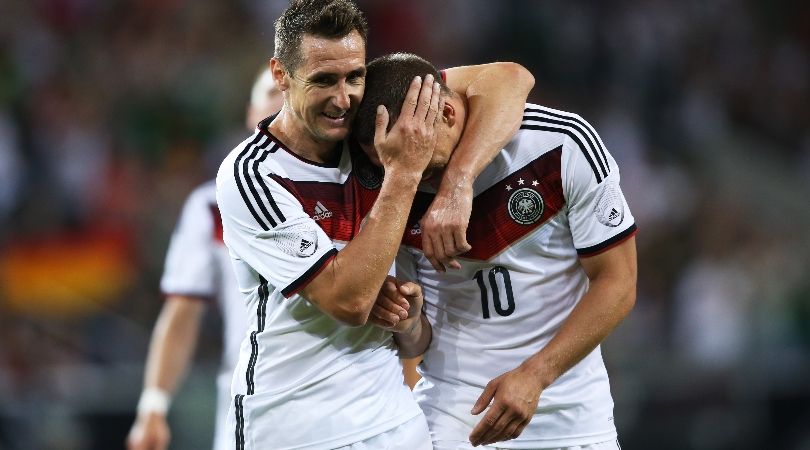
154 400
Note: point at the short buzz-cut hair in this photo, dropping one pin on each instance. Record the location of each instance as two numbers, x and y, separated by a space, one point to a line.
322 18
387 81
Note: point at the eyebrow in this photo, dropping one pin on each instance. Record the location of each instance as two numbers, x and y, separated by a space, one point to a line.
357 72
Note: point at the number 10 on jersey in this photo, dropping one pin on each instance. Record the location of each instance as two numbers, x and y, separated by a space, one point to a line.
496 291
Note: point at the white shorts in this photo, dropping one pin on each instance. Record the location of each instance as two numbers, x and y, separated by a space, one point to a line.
458 445
411 435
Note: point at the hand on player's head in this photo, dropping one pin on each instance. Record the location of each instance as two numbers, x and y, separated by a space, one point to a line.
409 144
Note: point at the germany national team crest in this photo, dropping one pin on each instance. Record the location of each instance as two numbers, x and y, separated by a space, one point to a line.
369 175
525 206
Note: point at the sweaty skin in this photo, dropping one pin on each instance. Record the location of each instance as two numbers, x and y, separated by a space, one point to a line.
495 95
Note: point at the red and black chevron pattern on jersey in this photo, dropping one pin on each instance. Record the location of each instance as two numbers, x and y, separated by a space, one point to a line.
349 203
491 228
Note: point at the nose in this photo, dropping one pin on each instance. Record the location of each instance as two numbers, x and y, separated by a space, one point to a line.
342 96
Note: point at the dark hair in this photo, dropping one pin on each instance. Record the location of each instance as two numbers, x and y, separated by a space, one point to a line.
387 81
323 18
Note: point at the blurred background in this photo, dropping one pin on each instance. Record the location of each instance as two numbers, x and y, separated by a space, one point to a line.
111 111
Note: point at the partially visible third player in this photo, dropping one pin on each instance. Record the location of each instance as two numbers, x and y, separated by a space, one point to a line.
197 271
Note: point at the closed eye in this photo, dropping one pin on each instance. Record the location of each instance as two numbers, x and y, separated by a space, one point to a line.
323 80
356 77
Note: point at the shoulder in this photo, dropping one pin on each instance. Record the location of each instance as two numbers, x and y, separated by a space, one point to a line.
198 210
580 138
201 198
543 118
544 130
246 158
205 192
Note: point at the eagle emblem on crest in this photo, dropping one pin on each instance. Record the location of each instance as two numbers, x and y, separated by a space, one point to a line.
525 206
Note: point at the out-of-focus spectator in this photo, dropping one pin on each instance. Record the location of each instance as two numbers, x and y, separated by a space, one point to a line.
11 165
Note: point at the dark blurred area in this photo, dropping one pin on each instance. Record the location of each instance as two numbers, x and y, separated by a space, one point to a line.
111 111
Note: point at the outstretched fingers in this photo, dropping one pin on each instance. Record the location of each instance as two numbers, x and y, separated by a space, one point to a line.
488 426
433 108
425 98
412 98
380 126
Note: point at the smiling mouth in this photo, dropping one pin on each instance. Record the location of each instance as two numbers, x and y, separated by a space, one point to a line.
339 116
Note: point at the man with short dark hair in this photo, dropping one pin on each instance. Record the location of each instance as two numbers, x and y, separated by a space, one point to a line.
312 373
550 273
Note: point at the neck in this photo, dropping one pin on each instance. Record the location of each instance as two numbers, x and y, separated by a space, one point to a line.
297 139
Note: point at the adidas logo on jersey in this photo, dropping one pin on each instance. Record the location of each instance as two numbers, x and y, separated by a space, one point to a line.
321 212
416 229
609 208
305 244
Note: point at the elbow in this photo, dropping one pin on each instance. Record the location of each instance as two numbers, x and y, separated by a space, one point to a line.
354 314
352 320
520 75
629 299
343 304
629 303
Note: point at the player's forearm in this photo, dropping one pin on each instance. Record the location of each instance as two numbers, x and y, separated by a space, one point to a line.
353 278
608 301
414 341
173 342
496 97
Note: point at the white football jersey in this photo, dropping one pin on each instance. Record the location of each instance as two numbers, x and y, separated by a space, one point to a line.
550 197
198 264
303 380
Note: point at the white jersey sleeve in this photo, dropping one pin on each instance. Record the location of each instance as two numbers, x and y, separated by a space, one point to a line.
266 226
598 213
191 266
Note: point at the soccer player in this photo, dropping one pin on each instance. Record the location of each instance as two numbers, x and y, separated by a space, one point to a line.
552 270
198 270
312 372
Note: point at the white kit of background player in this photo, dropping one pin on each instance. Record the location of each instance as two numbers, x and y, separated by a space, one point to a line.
198 265
197 271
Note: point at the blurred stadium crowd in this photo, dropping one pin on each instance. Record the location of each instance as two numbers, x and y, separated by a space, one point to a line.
112 111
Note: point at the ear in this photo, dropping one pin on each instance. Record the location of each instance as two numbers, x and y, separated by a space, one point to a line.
280 75
449 114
